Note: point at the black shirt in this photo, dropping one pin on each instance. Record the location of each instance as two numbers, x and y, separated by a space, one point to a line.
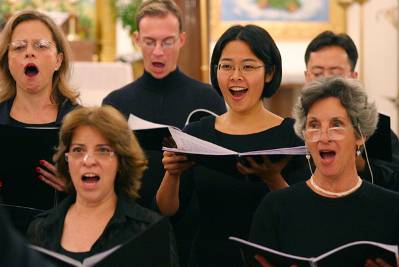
298 221
128 220
227 203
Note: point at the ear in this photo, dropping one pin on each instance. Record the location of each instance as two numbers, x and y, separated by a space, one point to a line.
60 58
269 76
354 74
182 38
359 141
307 76
136 38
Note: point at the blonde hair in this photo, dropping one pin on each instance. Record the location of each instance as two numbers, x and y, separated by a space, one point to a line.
159 8
61 89
113 126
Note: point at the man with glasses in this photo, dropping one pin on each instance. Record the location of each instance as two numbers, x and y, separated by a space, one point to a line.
163 94
330 54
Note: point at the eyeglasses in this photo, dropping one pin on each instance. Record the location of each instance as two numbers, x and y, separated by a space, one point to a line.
165 44
99 154
40 45
245 69
333 133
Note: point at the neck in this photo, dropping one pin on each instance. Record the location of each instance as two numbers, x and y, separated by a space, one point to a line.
251 121
334 188
100 208
29 102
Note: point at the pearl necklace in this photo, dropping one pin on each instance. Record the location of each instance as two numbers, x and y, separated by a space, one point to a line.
336 194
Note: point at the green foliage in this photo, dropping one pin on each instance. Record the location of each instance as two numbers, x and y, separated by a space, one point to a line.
84 10
127 13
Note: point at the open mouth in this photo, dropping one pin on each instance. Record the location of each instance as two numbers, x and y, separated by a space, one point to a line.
31 70
90 178
238 91
327 154
158 64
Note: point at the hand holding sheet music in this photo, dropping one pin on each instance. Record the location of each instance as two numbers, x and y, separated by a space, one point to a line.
225 160
152 135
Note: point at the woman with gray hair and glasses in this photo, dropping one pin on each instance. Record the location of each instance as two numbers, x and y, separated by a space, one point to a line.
334 206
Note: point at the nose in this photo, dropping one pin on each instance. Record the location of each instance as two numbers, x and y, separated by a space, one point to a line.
236 74
158 50
29 52
324 136
89 159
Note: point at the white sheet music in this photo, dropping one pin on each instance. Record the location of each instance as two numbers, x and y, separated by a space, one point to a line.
194 145
137 123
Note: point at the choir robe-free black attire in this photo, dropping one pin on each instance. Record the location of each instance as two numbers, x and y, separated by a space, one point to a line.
169 101
14 250
227 203
31 192
166 101
298 221
129 220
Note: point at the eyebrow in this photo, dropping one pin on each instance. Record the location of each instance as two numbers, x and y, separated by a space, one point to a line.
244 60
154 39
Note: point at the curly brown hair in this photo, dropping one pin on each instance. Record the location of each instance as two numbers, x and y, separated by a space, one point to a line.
114 127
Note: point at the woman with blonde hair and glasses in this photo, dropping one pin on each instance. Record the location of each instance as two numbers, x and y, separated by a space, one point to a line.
245 68
334 206
34 72
102 164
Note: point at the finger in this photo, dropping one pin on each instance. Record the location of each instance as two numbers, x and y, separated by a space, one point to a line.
48 176
50 183
382 263
266 159
48 165
262 261
284 161
243 169
370 263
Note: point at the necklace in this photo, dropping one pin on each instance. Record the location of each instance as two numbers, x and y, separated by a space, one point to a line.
336 194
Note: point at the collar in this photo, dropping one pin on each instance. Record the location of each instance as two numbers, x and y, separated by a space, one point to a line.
63 109
168 81
126 207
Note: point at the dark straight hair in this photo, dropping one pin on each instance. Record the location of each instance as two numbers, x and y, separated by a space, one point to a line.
261 44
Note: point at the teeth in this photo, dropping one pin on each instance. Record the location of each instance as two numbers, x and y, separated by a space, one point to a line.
90 174
236 89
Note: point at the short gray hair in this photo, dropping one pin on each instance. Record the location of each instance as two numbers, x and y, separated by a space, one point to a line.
350 93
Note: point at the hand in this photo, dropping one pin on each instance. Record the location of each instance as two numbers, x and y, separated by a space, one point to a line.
264 263
50 176
269 172
175 164
378 263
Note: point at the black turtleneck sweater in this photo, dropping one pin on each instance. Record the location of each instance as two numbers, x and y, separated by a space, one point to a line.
167 101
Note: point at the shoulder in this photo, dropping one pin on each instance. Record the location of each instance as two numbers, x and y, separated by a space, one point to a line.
5 108
198 87
122 93
136 212
380 193
286 195
197 128
47 225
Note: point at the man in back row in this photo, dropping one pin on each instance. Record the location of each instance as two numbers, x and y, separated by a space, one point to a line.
163 94
330 54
